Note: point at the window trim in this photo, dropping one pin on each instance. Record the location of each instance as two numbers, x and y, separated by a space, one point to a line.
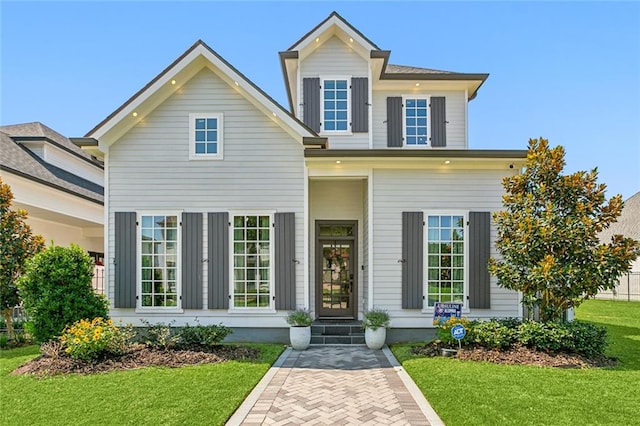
267 309
192 139
465 296
335 132
158 309
404 120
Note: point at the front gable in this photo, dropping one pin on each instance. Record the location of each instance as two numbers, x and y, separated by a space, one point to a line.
171 81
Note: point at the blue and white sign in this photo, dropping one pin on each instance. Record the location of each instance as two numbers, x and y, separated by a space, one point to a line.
458 332
444 311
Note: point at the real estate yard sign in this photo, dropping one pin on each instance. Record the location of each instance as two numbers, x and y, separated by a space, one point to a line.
444 311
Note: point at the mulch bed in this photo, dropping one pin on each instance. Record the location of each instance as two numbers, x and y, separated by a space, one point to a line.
518 355
139 356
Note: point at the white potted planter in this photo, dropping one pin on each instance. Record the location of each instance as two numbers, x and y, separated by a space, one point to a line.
375 325
300 331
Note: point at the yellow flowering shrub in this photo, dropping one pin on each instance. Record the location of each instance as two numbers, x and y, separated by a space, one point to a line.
444 329
91 339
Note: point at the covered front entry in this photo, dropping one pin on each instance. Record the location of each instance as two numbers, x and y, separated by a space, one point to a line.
336 270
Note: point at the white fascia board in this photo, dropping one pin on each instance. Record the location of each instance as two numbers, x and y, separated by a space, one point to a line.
139 103
327 27
269 107
154 95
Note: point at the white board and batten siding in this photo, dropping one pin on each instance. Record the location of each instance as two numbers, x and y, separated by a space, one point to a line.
397 191
455 116
335 59
262 171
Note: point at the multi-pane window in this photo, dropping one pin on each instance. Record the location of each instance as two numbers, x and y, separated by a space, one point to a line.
206 135
159 261
415 121
251 261
336 105
445 258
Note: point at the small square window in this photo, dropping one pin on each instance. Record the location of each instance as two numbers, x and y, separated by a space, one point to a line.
205 136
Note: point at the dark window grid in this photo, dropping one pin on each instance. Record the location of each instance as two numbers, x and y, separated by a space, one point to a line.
454 265
335 105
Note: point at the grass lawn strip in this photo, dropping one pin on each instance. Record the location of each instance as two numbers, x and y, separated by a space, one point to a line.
204 394
480 393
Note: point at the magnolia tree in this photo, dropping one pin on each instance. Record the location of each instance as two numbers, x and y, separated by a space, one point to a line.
17 244
548 235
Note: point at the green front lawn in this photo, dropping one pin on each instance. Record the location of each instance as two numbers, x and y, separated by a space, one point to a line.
196 395
473 393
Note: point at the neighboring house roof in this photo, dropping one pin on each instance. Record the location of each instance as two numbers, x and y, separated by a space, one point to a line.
628 223
197 57
38 131
20 161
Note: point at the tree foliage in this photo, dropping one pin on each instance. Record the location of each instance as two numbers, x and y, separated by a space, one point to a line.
56 290
548 235
17 244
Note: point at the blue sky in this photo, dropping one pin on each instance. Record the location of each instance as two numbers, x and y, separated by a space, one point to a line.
569 72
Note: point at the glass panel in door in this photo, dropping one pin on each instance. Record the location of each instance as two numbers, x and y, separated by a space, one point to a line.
336 280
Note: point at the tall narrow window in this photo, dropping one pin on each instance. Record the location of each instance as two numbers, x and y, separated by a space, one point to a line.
415 121
205 136
336 105
159 261
252 261
445 258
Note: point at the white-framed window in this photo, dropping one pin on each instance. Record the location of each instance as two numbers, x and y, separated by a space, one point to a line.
415 118
251 261
206 136
336 104
446 257
159 260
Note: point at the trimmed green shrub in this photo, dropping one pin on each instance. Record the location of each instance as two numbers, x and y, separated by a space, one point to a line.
494 334
56 290
202 335
88 340
159 335
543 336
586 339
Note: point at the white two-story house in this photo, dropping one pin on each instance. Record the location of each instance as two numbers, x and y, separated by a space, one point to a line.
223 205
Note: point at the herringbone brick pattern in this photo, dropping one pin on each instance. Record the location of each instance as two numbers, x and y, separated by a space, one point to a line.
336 385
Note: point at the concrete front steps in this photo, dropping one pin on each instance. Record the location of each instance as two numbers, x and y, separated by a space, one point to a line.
337 332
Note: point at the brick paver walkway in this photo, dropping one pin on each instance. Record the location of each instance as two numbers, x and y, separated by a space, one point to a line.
335 385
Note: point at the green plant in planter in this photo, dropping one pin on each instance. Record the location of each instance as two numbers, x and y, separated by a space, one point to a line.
299 318
375 319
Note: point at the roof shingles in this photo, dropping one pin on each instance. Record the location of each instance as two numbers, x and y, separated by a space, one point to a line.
20 161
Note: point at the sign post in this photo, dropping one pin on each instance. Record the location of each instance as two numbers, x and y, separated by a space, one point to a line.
458 332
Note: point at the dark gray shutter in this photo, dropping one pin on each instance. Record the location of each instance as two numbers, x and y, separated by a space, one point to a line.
438 122
192 260
412 260
285 264
479 248
125 259
311 103
359 104
218 254
394 122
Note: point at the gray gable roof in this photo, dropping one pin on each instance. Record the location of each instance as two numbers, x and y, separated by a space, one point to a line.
22 162
628 224
404 69
38 131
